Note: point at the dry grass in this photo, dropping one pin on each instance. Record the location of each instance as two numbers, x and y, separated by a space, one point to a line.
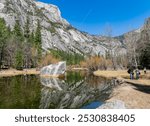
144 79
13 72
112 74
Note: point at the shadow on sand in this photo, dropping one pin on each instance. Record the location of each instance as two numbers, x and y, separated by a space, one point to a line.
142 88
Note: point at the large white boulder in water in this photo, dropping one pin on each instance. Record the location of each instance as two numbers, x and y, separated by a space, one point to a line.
54 70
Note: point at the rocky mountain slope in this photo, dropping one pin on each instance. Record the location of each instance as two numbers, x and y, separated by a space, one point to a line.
139 34
57 33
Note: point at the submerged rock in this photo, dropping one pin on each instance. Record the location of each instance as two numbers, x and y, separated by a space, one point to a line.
54 69
117 104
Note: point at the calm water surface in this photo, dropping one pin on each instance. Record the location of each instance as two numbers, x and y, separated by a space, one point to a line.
76 90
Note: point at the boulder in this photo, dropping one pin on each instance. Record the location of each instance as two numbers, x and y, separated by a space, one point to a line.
54 70
116 104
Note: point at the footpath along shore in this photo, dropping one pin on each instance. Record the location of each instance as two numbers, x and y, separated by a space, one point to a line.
135 94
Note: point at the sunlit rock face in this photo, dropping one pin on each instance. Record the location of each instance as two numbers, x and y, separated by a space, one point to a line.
56 32
73 94
54 69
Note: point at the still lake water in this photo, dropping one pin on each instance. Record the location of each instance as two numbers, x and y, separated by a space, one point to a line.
76 90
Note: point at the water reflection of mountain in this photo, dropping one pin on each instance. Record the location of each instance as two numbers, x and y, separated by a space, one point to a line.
74 92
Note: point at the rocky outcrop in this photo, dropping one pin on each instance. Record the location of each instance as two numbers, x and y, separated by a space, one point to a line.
54 70
57 33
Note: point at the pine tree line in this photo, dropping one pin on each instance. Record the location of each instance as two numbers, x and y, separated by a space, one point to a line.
20 49
70 58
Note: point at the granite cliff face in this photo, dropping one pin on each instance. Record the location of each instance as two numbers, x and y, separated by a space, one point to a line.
57 33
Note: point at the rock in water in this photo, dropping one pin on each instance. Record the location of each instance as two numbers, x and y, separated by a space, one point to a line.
116 104
54 70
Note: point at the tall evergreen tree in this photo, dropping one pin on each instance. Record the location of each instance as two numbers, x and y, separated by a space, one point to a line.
3 37
31 38
19 59
38 40
17 31
27 28
3 31
9 31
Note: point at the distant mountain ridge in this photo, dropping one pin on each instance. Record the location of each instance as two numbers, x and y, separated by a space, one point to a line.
57 33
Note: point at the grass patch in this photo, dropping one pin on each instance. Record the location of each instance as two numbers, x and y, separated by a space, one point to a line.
144 78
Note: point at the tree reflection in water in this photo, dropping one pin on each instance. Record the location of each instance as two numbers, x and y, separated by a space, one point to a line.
76 91
32 92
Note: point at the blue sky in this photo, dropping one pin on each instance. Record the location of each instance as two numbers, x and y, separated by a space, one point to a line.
93 16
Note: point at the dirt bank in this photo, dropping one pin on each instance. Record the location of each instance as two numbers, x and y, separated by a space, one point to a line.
134 93
134 96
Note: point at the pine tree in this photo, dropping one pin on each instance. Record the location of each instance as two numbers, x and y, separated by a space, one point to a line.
17 31
3 37
9 31
38 41
3 32
19 60
31 38
27 28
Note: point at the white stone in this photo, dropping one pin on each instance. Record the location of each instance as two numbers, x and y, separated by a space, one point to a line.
116 104
54 69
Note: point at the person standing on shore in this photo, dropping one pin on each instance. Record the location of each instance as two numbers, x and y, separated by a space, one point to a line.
137 72
130 71
144 70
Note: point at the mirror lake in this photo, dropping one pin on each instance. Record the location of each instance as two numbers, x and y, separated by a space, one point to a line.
77 90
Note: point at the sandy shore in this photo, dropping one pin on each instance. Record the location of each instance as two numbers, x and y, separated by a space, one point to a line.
13 72
133 96
134 93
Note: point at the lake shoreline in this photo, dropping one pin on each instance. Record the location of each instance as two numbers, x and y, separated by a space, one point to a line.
14 72
134 94
32 71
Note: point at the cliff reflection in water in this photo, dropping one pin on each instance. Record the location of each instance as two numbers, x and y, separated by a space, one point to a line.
74 92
